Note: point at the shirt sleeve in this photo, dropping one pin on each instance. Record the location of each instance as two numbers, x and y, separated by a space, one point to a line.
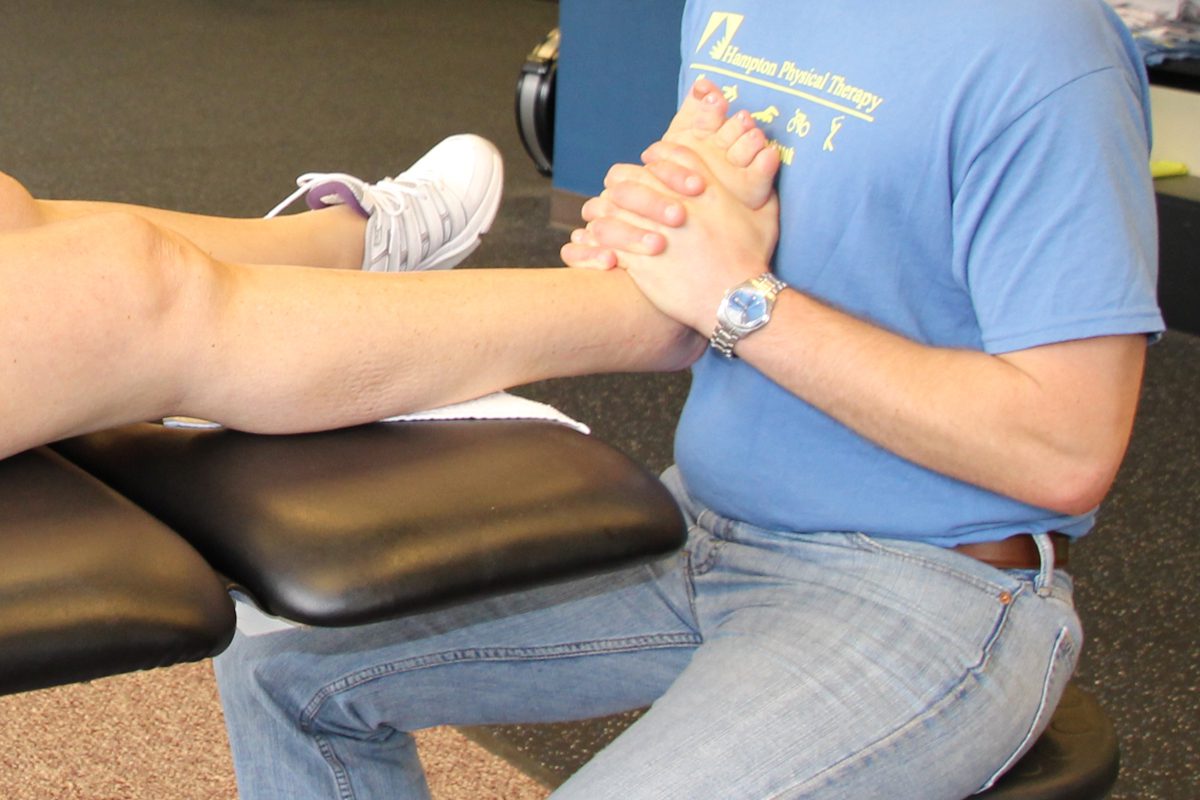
1054 223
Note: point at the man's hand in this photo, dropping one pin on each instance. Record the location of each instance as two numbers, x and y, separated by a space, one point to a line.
734 151
1046 426
717 242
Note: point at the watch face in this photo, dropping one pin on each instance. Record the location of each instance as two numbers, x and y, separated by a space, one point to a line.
745 309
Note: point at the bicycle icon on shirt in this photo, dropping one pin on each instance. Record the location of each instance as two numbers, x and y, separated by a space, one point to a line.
799 124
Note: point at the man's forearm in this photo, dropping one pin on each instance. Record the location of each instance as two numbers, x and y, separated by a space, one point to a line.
1047 426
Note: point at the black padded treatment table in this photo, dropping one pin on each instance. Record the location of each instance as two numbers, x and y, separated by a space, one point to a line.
118 549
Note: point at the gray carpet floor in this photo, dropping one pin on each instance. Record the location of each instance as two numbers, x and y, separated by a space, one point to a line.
216 106
160 735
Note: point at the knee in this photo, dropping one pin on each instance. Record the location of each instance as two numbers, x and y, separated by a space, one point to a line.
256 682
18 209
143 289
237 671
149 266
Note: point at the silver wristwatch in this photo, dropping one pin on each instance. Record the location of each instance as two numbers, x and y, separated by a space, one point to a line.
744 309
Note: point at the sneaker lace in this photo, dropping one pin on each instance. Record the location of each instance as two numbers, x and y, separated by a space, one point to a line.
420 197
302 185
391 196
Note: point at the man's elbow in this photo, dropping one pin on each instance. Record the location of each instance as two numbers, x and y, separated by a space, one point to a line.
1079 488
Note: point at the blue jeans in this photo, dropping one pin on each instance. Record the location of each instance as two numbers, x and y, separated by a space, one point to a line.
776 665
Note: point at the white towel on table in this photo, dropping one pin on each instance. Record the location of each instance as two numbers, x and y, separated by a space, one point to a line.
499 405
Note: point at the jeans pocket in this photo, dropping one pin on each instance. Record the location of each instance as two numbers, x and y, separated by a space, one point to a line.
1061 667
703 550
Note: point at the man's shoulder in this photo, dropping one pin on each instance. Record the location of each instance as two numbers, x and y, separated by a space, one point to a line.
1072 35
1035 18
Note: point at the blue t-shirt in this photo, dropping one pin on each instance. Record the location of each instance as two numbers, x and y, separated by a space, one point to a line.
966 173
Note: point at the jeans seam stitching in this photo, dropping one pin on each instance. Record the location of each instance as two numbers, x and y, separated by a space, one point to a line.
946 697
340 776
481 654
966 577
1059 641
688 568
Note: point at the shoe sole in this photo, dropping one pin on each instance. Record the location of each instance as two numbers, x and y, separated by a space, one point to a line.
468 240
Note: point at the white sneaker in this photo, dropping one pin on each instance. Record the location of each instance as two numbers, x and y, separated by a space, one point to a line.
429 217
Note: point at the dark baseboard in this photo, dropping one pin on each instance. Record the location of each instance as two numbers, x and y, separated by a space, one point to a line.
1177 74
564 208
1179 251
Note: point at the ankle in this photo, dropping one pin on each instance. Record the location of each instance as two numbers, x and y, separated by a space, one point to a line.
337 235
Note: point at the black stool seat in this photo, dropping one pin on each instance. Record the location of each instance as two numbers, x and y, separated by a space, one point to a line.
357 525
91 586
1076 758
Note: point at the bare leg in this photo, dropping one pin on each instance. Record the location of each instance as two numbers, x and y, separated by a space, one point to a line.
430 216
332 237
108 319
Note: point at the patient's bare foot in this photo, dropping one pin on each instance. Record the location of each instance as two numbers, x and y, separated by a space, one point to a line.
737 153
701 138
703 109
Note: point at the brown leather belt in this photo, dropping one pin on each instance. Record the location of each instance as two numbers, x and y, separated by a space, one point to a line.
1017 552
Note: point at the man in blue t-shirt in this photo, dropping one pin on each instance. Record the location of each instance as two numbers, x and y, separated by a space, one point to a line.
926 353
979 189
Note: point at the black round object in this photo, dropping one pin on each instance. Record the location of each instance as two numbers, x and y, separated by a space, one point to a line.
535 102
1076 758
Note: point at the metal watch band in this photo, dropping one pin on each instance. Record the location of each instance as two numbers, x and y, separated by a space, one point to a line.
724 338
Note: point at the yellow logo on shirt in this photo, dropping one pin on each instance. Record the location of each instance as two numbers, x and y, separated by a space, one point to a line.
719 19
824 87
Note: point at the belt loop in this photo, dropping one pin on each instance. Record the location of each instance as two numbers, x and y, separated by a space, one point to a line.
1046 572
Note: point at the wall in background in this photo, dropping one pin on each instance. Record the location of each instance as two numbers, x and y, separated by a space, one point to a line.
617 82
1176 115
